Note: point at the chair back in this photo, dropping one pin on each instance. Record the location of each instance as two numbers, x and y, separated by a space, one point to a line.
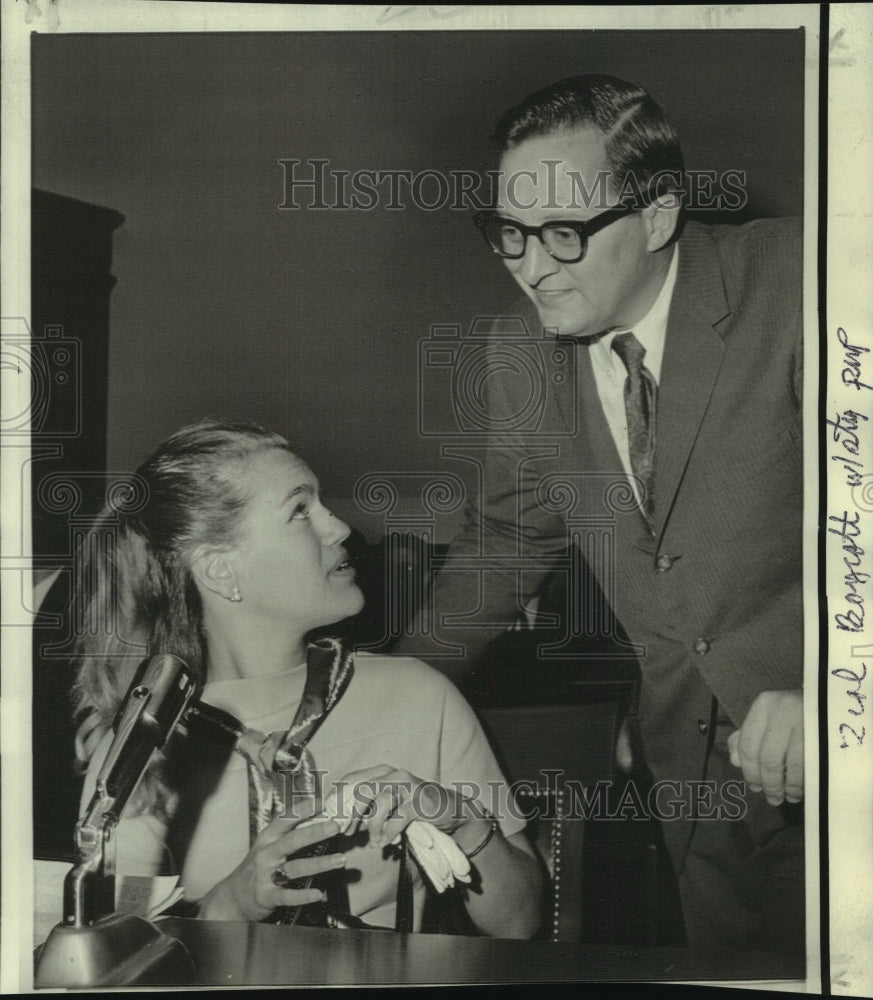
554 755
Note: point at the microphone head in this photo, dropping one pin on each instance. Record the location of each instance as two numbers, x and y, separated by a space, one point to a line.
160 690
167 683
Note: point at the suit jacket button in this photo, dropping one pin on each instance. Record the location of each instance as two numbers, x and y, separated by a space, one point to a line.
664 563
701 647
702 726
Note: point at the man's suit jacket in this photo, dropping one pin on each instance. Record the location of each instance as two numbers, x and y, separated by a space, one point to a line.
712 598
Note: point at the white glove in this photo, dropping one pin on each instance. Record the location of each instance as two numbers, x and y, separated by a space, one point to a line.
440 858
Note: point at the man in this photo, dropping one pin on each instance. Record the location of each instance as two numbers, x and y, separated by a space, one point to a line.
687 341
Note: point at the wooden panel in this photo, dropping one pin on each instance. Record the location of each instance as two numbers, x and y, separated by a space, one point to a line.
71 283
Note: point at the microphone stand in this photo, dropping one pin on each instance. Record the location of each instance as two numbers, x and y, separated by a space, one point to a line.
93 945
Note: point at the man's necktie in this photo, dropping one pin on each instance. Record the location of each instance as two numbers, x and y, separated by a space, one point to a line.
640 404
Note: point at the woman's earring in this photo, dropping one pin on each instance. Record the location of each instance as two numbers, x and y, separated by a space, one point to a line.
236 596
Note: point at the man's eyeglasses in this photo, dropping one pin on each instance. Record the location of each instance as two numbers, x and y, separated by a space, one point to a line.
565 241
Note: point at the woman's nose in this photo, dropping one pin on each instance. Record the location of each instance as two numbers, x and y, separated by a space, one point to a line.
332 529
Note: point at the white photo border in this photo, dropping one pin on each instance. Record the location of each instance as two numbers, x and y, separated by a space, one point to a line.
847 786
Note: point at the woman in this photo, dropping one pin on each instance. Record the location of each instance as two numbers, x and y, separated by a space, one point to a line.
231 561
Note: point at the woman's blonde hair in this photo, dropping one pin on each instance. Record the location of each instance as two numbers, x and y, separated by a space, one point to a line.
134 594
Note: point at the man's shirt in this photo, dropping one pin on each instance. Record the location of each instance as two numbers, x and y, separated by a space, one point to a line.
610 373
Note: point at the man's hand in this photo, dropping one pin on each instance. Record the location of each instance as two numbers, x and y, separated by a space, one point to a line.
769 746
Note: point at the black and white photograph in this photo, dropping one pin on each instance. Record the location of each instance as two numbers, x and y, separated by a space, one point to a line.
492 342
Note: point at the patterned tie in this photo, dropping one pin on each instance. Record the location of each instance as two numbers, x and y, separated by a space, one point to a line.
640 404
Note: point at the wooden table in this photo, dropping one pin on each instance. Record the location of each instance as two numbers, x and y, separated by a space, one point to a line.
234 954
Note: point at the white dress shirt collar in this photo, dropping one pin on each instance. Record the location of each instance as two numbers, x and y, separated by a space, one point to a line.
650 331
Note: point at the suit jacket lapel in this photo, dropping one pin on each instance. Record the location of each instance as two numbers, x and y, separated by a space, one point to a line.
693 353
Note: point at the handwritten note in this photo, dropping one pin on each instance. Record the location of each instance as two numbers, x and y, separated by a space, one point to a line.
852 357
850 734
440 12
849 430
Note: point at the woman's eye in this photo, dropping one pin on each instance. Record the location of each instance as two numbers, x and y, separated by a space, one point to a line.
300 512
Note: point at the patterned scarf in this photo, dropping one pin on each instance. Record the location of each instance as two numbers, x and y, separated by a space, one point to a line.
280 762
281 759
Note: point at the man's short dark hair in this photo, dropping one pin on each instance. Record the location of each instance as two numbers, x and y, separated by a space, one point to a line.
640 141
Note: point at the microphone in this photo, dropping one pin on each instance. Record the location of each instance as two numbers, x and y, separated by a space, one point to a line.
93 944
152 707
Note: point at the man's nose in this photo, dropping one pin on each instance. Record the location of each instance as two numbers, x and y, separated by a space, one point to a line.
536 263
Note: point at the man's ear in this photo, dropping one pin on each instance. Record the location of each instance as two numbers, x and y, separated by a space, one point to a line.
213 570
661 218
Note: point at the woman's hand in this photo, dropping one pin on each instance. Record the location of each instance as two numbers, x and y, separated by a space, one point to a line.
250 891
385 800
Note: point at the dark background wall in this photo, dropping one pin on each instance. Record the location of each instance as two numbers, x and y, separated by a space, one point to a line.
310 321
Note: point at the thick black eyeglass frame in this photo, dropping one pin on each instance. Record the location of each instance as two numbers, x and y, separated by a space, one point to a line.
583 229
